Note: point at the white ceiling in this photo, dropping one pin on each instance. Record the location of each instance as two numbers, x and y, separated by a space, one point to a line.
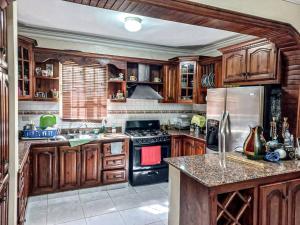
61 15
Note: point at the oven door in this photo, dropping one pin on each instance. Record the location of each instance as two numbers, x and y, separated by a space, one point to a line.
136 156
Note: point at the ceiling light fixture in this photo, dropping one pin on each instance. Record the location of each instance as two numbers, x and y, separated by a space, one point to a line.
133 24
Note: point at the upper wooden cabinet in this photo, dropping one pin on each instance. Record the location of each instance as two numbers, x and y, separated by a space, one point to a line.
25 67
251 63
170 83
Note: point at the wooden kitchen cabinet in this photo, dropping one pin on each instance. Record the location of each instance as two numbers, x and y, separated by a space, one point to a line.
234 66
261 62
23 191
176 146
280 203
187 146
91 165
294 202
69 167
251 63
199 147
273 204
25 67
170 83
44 171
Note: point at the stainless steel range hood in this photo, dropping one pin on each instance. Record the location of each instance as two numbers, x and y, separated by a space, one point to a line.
145 92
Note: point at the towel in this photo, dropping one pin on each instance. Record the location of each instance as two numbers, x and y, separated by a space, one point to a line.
116 148
151 155
77 142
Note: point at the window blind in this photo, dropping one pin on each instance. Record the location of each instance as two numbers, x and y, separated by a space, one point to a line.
84 91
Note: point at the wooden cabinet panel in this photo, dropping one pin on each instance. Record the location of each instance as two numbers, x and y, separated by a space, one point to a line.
4 201
251 63
114 162
23 191
294 202
234 66
176 146
170 83
199 147
69 167
114 176
91 165
44 169
261 62
273 204
188 146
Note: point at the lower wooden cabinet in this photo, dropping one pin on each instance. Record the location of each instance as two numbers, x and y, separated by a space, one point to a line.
294 202
4 201
44 171
176 146
91 165
280 203
23 191
69 167
114 176
199 147
185 146
273 205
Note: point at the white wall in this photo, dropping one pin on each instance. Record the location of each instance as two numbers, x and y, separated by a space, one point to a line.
271 9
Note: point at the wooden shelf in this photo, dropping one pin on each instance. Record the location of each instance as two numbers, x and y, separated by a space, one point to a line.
118 100
145 82
46 78
46 99
116 81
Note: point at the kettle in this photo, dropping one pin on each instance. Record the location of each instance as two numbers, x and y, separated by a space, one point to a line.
255 144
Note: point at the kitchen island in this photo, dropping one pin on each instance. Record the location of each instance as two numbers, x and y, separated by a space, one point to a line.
245 193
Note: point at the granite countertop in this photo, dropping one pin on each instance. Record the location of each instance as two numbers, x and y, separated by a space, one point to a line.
186 133
206 169
24 145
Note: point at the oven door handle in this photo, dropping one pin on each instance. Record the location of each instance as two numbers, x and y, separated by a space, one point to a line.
152 173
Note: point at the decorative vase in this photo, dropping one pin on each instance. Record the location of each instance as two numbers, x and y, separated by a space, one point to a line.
255 144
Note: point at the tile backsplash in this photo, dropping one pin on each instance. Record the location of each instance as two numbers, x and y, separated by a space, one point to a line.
117 113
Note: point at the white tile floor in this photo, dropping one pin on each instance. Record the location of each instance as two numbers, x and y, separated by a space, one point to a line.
110 205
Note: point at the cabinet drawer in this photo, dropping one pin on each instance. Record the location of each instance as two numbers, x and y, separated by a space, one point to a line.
114 176
107 149
114 162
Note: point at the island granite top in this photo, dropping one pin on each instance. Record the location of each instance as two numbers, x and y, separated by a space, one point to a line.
206 168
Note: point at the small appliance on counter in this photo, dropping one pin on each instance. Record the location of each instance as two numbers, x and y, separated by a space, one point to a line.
183 122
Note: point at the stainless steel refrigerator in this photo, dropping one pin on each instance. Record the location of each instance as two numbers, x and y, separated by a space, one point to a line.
233 110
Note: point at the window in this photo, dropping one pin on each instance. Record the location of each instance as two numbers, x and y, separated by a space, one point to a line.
84 91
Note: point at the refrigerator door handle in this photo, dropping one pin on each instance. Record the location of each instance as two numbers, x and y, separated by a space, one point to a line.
222 149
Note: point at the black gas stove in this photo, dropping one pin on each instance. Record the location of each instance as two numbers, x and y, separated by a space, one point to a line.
146 135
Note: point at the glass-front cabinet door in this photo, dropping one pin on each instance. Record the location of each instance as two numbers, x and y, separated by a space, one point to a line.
187 71
24 71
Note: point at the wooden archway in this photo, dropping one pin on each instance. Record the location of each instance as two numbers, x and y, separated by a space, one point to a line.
286 37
